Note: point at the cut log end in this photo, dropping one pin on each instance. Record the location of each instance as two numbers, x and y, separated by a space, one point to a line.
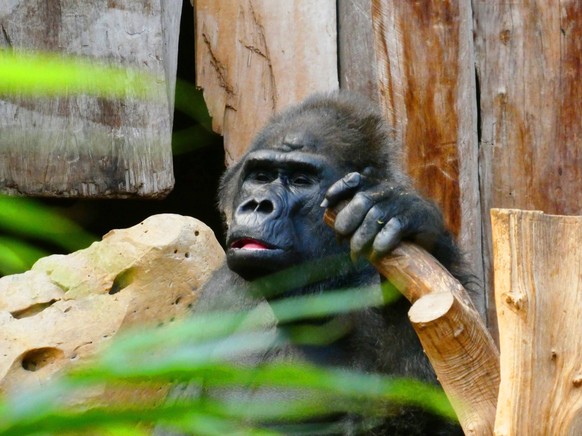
431 307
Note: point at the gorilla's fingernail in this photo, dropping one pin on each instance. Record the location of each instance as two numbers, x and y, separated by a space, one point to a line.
324 203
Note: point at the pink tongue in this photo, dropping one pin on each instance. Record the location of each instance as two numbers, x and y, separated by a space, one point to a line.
254 246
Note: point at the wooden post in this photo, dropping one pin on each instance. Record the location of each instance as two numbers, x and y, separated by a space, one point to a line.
538 292
89 146
528 64
255 57
450 330
416 60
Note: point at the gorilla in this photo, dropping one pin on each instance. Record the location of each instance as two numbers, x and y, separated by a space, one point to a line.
333 149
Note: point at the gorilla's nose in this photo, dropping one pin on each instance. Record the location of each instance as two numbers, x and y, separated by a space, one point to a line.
262 207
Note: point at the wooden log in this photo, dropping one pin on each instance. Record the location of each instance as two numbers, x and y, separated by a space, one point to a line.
538 289
420 68
253 58
463 356
450 329
528 64
86 145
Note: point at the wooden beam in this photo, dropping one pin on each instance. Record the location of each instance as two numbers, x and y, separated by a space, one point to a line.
528 63
538 292
357 49
416 60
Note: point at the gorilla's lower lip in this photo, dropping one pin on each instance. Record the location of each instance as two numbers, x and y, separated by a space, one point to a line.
253 263
250 244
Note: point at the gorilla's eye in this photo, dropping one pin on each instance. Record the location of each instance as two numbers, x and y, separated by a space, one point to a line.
301 180
261 177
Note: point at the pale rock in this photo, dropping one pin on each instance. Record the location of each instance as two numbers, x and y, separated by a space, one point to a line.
62 311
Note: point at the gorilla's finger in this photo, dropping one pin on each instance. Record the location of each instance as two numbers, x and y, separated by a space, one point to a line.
365 234
342 189
388 238
351 216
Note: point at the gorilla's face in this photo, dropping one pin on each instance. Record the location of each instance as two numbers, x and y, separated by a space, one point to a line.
271 198
277 219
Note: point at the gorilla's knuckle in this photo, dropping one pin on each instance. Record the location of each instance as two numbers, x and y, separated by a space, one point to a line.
351 180
378 214
363 199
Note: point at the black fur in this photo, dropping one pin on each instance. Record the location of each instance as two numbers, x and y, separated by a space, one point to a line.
331 148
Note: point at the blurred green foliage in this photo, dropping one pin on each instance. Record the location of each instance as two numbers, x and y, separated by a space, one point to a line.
208 348
27 224
49 74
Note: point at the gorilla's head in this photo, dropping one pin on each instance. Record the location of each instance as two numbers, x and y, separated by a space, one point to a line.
271 198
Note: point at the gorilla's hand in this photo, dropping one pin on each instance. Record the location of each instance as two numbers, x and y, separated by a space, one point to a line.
379 215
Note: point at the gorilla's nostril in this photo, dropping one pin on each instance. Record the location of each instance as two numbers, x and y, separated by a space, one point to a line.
264 206
249 206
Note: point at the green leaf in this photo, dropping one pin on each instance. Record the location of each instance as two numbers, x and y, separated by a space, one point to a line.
190 101
208 354
30 218
48 75
17 256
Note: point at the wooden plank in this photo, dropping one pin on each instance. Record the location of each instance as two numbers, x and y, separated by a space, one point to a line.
528 56
357 55
425 72
255 57
83 145
538 292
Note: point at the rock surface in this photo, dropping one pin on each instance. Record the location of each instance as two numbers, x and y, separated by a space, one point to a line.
66 307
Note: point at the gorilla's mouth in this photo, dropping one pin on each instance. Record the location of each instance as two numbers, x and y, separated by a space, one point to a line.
250 244
252 258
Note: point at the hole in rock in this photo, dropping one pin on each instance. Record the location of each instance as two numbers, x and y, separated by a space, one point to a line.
32 310
123 280
33 360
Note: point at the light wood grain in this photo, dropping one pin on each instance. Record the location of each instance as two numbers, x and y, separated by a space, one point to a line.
357 49
538 292
424 67
528 63
255 57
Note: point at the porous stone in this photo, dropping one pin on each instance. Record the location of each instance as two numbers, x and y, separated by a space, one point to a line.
67 307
